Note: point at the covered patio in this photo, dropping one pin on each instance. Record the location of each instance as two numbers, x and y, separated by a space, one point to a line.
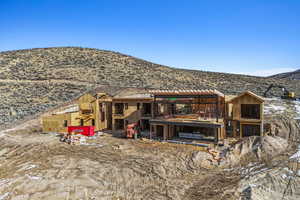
187 114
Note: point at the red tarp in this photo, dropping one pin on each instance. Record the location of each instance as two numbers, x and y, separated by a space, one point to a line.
83 130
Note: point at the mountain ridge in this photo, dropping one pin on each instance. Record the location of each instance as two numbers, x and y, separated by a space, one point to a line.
293 75
34 80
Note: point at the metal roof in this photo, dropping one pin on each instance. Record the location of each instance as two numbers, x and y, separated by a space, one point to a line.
185 92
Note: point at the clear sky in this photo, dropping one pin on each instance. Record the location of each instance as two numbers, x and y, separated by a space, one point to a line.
259 37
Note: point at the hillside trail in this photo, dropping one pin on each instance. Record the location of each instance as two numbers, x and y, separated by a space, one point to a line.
45 81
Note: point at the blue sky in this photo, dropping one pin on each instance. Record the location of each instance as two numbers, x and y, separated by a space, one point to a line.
254 37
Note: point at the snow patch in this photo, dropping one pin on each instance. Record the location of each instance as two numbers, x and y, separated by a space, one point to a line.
4 181
33 177
30 167
274 109
296 156
4 196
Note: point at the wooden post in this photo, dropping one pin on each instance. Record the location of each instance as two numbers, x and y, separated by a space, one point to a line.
241 131
165 133
217 108
216 135
96 116
153 108
234 128
262 119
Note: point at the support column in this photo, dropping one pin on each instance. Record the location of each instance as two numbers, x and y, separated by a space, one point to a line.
262 128
241 131
96 116
218 108
154 132
216 134
234 129
165 135
262 119
171 131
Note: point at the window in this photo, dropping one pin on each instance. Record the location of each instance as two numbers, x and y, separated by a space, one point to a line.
138 106
250 111
81 122
102 112
146 108
93 122
66 123
119 108
126 106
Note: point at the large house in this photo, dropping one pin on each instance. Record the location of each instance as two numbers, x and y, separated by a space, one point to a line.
206 115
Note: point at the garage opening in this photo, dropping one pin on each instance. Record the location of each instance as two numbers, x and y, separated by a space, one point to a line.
119 124
250 130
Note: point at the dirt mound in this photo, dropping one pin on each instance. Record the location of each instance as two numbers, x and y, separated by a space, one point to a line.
285 127
283 116
277 182
253 148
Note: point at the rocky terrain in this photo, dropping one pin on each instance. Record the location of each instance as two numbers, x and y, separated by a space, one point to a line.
34 80
295 75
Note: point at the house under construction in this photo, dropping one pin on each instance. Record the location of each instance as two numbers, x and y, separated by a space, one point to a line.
206 115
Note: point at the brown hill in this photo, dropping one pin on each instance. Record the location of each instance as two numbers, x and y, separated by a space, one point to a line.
34 80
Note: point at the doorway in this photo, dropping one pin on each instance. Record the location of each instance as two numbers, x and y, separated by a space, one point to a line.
250 130
159 131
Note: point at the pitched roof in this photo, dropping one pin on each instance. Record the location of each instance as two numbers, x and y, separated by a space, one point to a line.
261 99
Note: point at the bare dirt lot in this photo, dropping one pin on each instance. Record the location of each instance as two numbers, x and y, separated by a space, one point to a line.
38 166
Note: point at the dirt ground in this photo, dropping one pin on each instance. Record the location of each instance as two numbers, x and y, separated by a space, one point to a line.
37 166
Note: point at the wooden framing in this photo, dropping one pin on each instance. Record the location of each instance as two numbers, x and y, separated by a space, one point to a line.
209 108
234 107
132 112
58 122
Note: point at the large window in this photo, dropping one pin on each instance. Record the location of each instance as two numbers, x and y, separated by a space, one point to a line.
250 111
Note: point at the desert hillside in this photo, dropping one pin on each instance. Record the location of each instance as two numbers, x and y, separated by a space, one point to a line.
34 80
295 75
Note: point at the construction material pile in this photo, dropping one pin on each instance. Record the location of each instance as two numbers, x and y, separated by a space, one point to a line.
73 138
